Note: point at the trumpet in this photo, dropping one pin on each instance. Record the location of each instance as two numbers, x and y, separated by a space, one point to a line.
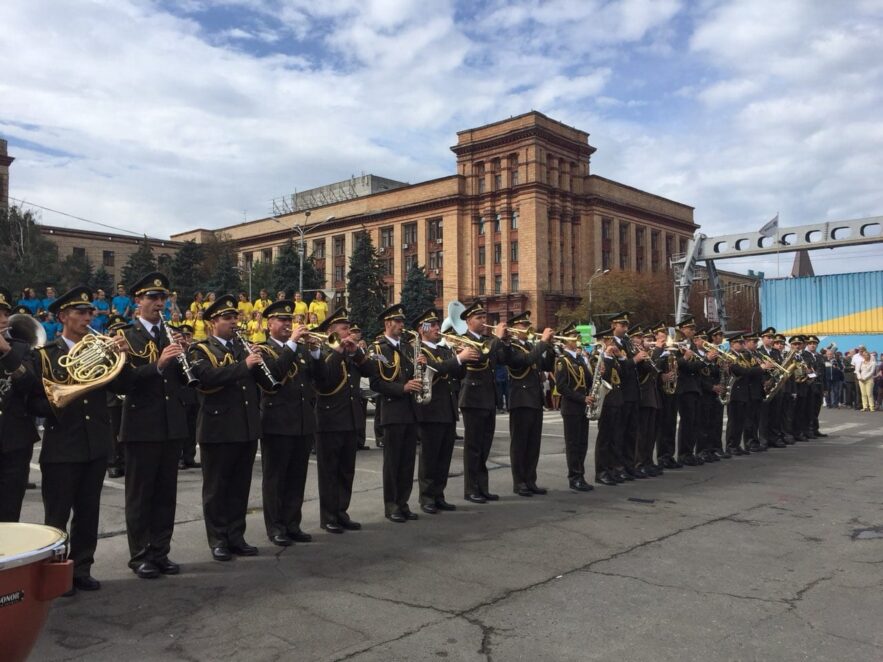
726 355
529 334
505 335
330 339
460 341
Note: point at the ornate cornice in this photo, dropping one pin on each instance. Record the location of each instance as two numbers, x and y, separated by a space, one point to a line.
583 150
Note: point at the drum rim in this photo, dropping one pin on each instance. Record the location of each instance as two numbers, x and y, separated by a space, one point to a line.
39 554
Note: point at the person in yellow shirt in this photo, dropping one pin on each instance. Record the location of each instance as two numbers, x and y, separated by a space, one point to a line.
300 306
262 302
197 303
244 306
319 307
314 321
200 327
257 328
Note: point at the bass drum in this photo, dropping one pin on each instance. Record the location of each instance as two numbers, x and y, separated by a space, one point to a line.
33 572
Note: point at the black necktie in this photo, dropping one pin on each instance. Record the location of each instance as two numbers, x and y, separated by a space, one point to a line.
156 335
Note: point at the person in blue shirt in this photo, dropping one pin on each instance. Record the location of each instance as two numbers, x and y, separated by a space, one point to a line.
51 296
102 311
30 301
121 303
50 326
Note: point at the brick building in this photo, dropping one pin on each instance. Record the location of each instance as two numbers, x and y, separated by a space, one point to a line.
523 223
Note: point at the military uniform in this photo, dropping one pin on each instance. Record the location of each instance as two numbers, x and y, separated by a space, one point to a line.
770 423
17 431
740 396
573 380
688 392
710 411
648 415
190 398
816 366
607 459
527 363
667 416
630 374
288 423
227 430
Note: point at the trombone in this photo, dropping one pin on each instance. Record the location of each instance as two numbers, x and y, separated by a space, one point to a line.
453 339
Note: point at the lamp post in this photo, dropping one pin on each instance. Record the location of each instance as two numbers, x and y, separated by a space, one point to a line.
302 230
595 275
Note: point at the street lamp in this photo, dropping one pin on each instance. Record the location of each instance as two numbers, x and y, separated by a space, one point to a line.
301 230
595 275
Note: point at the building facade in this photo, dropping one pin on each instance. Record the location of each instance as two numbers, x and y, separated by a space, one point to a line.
5 162
523 224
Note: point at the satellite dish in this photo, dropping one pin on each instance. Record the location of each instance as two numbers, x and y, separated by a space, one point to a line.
453 322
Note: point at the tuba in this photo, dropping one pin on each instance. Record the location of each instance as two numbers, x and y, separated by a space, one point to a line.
90 364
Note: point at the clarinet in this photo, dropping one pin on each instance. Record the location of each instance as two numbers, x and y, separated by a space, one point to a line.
274 383
186 368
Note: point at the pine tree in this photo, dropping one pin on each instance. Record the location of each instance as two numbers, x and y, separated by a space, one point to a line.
263 277
77 270
101 280
140 263
286 274
366 286
418 292
225 279
186 272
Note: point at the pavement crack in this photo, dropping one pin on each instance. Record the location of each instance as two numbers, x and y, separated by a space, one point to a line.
487 632
798 596
404 603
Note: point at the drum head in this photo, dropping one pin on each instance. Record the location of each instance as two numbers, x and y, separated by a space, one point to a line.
22 544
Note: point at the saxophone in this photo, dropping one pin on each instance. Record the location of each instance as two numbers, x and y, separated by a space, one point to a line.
726 382
669 388
422 372
600 389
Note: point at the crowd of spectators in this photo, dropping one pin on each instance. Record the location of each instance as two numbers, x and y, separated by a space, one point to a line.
853 380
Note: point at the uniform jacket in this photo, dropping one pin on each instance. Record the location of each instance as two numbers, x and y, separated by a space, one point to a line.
154 407
746 371
649 382
573 379
81 431
17 429
526 364
291 411
389 381
689 372
630 372
229 400
477 389
338 401
442 408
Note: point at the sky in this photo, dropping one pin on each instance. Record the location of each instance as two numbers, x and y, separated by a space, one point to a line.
163 116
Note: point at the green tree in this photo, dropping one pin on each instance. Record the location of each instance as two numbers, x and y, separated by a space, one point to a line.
225 279
140 262
366 286
186 271
418 292
77 270
101 280
286 275
263 277
27 258
649 296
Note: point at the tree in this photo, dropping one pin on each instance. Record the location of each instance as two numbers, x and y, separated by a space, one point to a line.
77 270
27 258
263 277
366 286
225 279
418 292
649 296
286 275
186 271
140 263
101 280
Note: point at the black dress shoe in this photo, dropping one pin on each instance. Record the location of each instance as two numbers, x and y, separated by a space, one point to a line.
429 508
167 566
87 583
650 471
115 472
146 570
300 536
620 477
490 497
396 517
182 465
71 592
476 498
523 490
221 553
603 478
350 525
739 452
362 448
689 460
378 443
537 490
580 485
193 465
410 514
31 486
332 528
441 504
699 460
281 539
670 463
638 472
821 434
778 444
244 549
722 454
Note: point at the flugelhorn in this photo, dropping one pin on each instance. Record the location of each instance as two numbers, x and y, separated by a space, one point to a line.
453 339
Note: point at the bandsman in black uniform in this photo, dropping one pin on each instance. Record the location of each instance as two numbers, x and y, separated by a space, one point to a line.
740 394
77 437
288 424
478 402
667 419
709 379
437 420
527 363
607 460
116 462
573 379
718 445
794 388
17 430
153 429
651 403
339 416
770 424
227 428
190 398
396 386
632 366
688 393
751 433
816 363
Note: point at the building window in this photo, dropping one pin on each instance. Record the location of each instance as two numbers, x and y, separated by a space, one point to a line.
439 289
513 251
669 249
107 258
683 244
434 229
498 284
339 273
498 253
481 284
513 169
386 237
480 225
514 222
639 249
479 171
435 259
654 250
388 267
498 176
78 251
409 234
481 256
248 258
267 254
498 223
623 245
319 249
514 286
339 246
410 261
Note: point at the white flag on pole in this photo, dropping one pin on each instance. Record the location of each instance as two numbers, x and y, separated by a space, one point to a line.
770 228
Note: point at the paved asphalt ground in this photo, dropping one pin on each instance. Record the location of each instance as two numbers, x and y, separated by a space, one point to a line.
769 557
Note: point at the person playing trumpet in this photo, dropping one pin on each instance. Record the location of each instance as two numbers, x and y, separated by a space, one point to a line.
573 376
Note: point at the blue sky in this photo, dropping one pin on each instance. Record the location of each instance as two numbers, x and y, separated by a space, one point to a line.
167 115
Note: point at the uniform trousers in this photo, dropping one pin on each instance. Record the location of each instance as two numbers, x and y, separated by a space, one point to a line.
285 460
226 481
336 459
628 433
767 425
75 487
752 422
688 409
436 450
15 467
667 420
151 491
712 422
117 457
606 452
817 394
399 455
576 444
736 416
647 417
525 432
478 437
188 448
